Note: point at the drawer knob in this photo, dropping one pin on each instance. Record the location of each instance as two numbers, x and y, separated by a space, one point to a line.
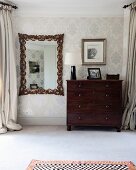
107 95
107 85
106 118
79 85
79 117
107 106
79 106
79 95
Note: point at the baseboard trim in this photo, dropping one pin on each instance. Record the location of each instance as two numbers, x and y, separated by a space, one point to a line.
42 120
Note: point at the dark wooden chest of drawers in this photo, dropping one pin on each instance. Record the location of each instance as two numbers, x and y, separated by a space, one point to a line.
94 103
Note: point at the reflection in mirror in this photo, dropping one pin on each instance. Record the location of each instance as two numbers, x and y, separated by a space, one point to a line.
41 64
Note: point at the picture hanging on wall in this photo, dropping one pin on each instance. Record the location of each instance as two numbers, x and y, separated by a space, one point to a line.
93 51
34 67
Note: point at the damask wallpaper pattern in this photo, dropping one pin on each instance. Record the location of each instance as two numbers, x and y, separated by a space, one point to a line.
74 29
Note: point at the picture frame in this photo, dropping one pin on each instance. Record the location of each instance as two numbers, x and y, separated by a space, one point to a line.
34 86
34 67
94 73
94 51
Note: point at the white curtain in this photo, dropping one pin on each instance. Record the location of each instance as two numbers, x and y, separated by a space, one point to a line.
8 80
129 117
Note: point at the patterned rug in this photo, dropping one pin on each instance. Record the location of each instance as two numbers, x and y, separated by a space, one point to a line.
80 165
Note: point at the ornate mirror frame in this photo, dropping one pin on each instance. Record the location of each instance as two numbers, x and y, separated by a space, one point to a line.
23 38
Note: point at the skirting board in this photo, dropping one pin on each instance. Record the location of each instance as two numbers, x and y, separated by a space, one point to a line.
42 120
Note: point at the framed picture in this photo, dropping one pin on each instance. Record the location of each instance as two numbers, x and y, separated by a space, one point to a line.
34 86
34 67
94 73
93 51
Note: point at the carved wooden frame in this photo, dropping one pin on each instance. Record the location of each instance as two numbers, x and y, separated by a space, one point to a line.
59 39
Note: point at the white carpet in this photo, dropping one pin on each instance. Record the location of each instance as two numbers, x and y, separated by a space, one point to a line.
17 149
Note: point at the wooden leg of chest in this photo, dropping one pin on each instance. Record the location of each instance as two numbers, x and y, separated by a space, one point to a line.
69 128
118 129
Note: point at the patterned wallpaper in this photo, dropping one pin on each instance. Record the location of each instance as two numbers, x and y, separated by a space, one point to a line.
74 29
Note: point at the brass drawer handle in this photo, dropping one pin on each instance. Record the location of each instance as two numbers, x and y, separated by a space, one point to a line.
107 85
106 118
79 85
79 118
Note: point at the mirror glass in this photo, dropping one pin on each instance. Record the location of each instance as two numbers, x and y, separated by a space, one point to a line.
41 64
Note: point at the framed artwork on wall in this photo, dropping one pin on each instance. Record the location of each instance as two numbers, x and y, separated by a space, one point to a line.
34 67
34 86
93 51
94 73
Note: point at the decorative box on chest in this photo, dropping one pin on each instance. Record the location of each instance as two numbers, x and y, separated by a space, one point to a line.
94 103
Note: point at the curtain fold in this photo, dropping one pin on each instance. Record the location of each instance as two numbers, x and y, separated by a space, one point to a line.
129 117
8 78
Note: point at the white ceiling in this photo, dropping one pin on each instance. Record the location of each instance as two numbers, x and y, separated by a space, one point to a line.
71 7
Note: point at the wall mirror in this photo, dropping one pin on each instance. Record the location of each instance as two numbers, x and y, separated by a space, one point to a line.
41 64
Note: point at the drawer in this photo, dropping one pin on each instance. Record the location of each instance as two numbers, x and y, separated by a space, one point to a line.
94 119
79 107
80 95
88 84
107 92
80 118
113 84
97 96
79 85
107 85
107 100
113 119
108 108
88 107
107 96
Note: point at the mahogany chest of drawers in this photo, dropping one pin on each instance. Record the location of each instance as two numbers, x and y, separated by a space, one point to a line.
94 103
